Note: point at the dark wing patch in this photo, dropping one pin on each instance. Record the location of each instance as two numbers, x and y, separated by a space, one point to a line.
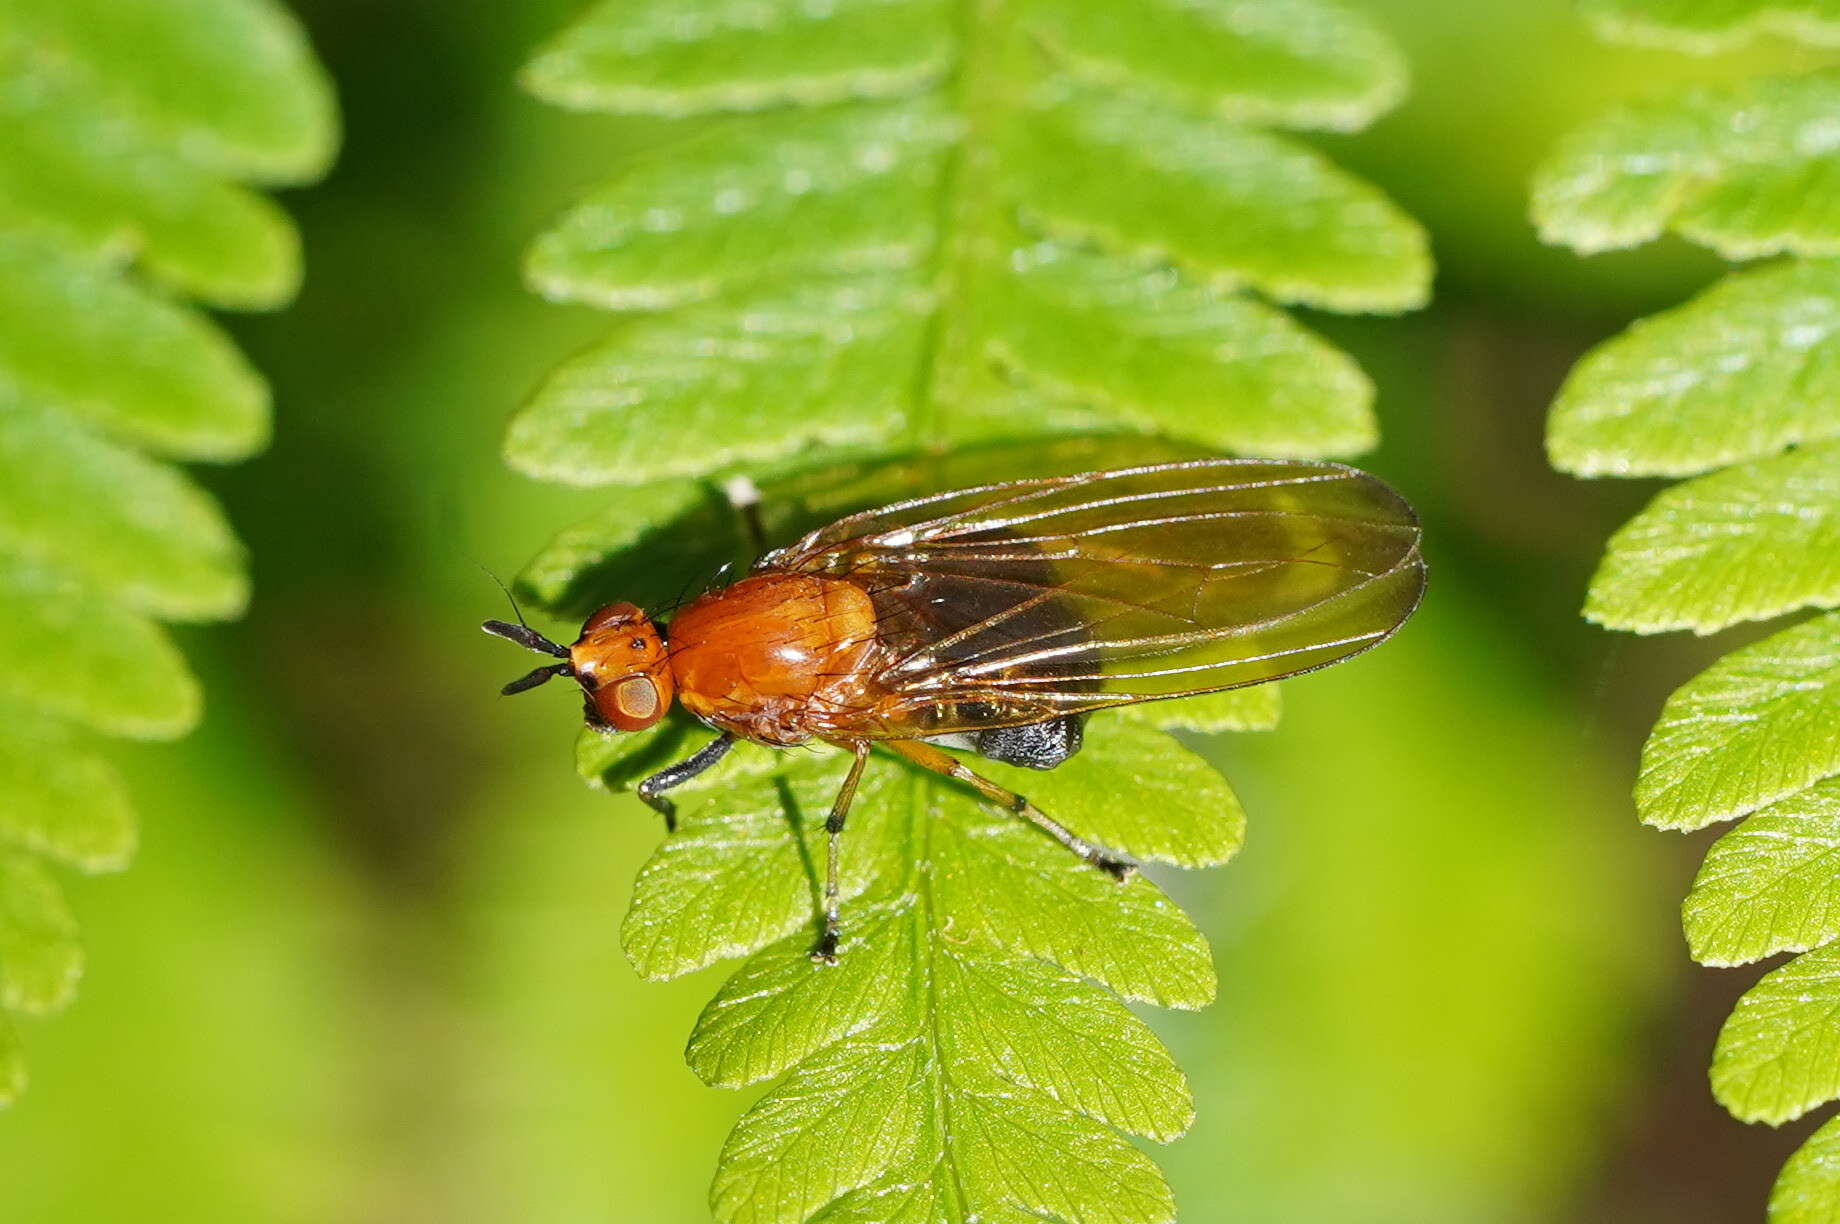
1045 597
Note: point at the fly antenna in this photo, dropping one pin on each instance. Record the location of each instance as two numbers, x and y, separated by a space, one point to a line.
524 636
531 679
509 597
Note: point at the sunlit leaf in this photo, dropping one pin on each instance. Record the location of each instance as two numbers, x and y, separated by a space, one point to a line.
1028 1023
784 1159
1807 1191
40 958
736 875
1007 887
80 656
1747 368
227 85
1290 63
62 179
1775 1059
1137 793
1752 728
1002 1137
127 126
775 1011
128 527
77 338
58 798
1706 26
1238 206
1171 357
1747 543
682 394
680 57
1747 170
838 191
1772 884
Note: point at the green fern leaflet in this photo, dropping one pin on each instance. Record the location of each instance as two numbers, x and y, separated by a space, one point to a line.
1728 389
133 134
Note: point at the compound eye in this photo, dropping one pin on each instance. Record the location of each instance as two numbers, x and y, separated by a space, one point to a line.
636 697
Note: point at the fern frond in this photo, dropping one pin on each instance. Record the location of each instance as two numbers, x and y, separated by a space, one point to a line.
900 245
1735 378
948 1030
1809 1185
1775 1057
1707 26
832 247
1276 63
131 133
1753 728
1745 169
1747 543
1747 368
1772 884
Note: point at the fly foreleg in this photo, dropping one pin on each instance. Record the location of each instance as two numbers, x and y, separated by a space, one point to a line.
928 757
651 790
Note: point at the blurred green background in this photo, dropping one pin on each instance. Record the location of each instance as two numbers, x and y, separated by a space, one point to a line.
366 967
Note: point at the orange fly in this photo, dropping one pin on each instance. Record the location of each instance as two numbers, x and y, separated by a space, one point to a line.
995 619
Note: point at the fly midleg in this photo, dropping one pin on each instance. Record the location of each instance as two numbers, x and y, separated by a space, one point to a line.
826 948
928 757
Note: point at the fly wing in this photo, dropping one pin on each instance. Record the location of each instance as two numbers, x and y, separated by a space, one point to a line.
1016 602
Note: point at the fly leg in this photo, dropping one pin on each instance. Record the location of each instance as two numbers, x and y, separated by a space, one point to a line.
928 757
651 789
825 952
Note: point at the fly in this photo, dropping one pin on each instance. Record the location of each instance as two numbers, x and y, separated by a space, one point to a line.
998 618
